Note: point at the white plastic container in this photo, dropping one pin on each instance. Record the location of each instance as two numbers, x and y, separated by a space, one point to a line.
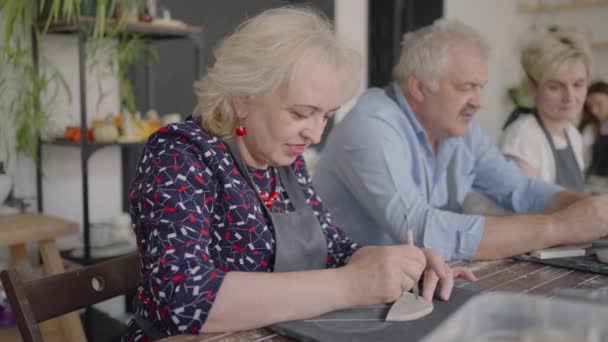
511 317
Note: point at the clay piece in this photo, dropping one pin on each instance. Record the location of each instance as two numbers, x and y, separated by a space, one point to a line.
408 308
602 255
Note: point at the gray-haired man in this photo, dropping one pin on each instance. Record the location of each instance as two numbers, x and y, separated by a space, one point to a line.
415 147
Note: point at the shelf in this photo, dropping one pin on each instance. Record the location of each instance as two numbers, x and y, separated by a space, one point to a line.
565 6
94 144
91 147
130 152
600 45
148 30
80 260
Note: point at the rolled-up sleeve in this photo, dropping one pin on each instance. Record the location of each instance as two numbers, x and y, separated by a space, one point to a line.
501 180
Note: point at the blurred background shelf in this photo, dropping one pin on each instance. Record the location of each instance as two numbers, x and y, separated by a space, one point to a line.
599 45
154 30
545 6
98 254
130 151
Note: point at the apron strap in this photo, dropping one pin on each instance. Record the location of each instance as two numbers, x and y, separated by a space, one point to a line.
567 171
241 166
289 181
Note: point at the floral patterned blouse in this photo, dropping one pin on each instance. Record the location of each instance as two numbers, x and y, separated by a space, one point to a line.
196 218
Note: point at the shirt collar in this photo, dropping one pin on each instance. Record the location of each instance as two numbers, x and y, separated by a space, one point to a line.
445 146
405 107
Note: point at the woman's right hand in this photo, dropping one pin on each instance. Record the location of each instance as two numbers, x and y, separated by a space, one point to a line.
381 274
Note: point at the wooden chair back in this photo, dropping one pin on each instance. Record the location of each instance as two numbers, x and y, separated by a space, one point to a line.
38 300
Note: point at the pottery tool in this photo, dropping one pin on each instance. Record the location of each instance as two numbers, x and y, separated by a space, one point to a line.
561 251
410 242
409 306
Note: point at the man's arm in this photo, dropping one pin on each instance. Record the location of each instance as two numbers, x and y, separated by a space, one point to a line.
525 167
562 200
580 221
378 170
506 236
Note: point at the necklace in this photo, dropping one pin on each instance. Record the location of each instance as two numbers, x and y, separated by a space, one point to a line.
270 197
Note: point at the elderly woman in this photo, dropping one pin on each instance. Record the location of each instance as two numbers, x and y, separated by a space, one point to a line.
231 233
546 144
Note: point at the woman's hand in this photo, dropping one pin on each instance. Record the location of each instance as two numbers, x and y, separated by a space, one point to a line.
437 271
381 274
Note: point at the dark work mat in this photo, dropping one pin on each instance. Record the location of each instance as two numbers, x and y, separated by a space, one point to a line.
367 323
587 263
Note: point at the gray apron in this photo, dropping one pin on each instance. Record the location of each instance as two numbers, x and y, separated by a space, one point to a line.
299 240
567 172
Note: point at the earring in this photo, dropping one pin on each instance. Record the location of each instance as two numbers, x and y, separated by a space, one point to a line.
241 130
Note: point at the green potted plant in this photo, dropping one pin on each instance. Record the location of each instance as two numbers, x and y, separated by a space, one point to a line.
23 104
519 94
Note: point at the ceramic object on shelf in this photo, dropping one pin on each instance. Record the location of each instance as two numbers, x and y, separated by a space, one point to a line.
106 132
115 231
170 118
6 183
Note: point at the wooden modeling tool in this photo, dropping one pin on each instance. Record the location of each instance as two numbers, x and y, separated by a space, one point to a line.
409 306
410 242
561 251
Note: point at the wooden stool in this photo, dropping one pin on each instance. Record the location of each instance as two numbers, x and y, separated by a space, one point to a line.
17 230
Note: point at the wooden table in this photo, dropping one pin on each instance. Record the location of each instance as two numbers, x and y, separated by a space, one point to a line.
15 232
502 275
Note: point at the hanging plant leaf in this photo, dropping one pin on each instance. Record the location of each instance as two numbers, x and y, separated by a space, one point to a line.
25 107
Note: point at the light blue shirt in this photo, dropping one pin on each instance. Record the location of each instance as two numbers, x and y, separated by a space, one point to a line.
377 165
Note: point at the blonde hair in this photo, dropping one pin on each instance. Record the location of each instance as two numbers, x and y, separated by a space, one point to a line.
547 54
265 53
426 51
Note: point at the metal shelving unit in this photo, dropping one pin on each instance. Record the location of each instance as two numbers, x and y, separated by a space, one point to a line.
129 151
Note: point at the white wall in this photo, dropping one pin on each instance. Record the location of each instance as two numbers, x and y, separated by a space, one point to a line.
7 132
504 26
62 164
351 22
592 19
62 185
62 182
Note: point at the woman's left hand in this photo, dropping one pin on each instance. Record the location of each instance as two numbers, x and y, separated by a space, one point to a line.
431 277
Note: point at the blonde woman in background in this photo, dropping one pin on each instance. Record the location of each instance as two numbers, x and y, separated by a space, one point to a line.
545 143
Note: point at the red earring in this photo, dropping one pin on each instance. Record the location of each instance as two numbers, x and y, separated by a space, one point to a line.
240 131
